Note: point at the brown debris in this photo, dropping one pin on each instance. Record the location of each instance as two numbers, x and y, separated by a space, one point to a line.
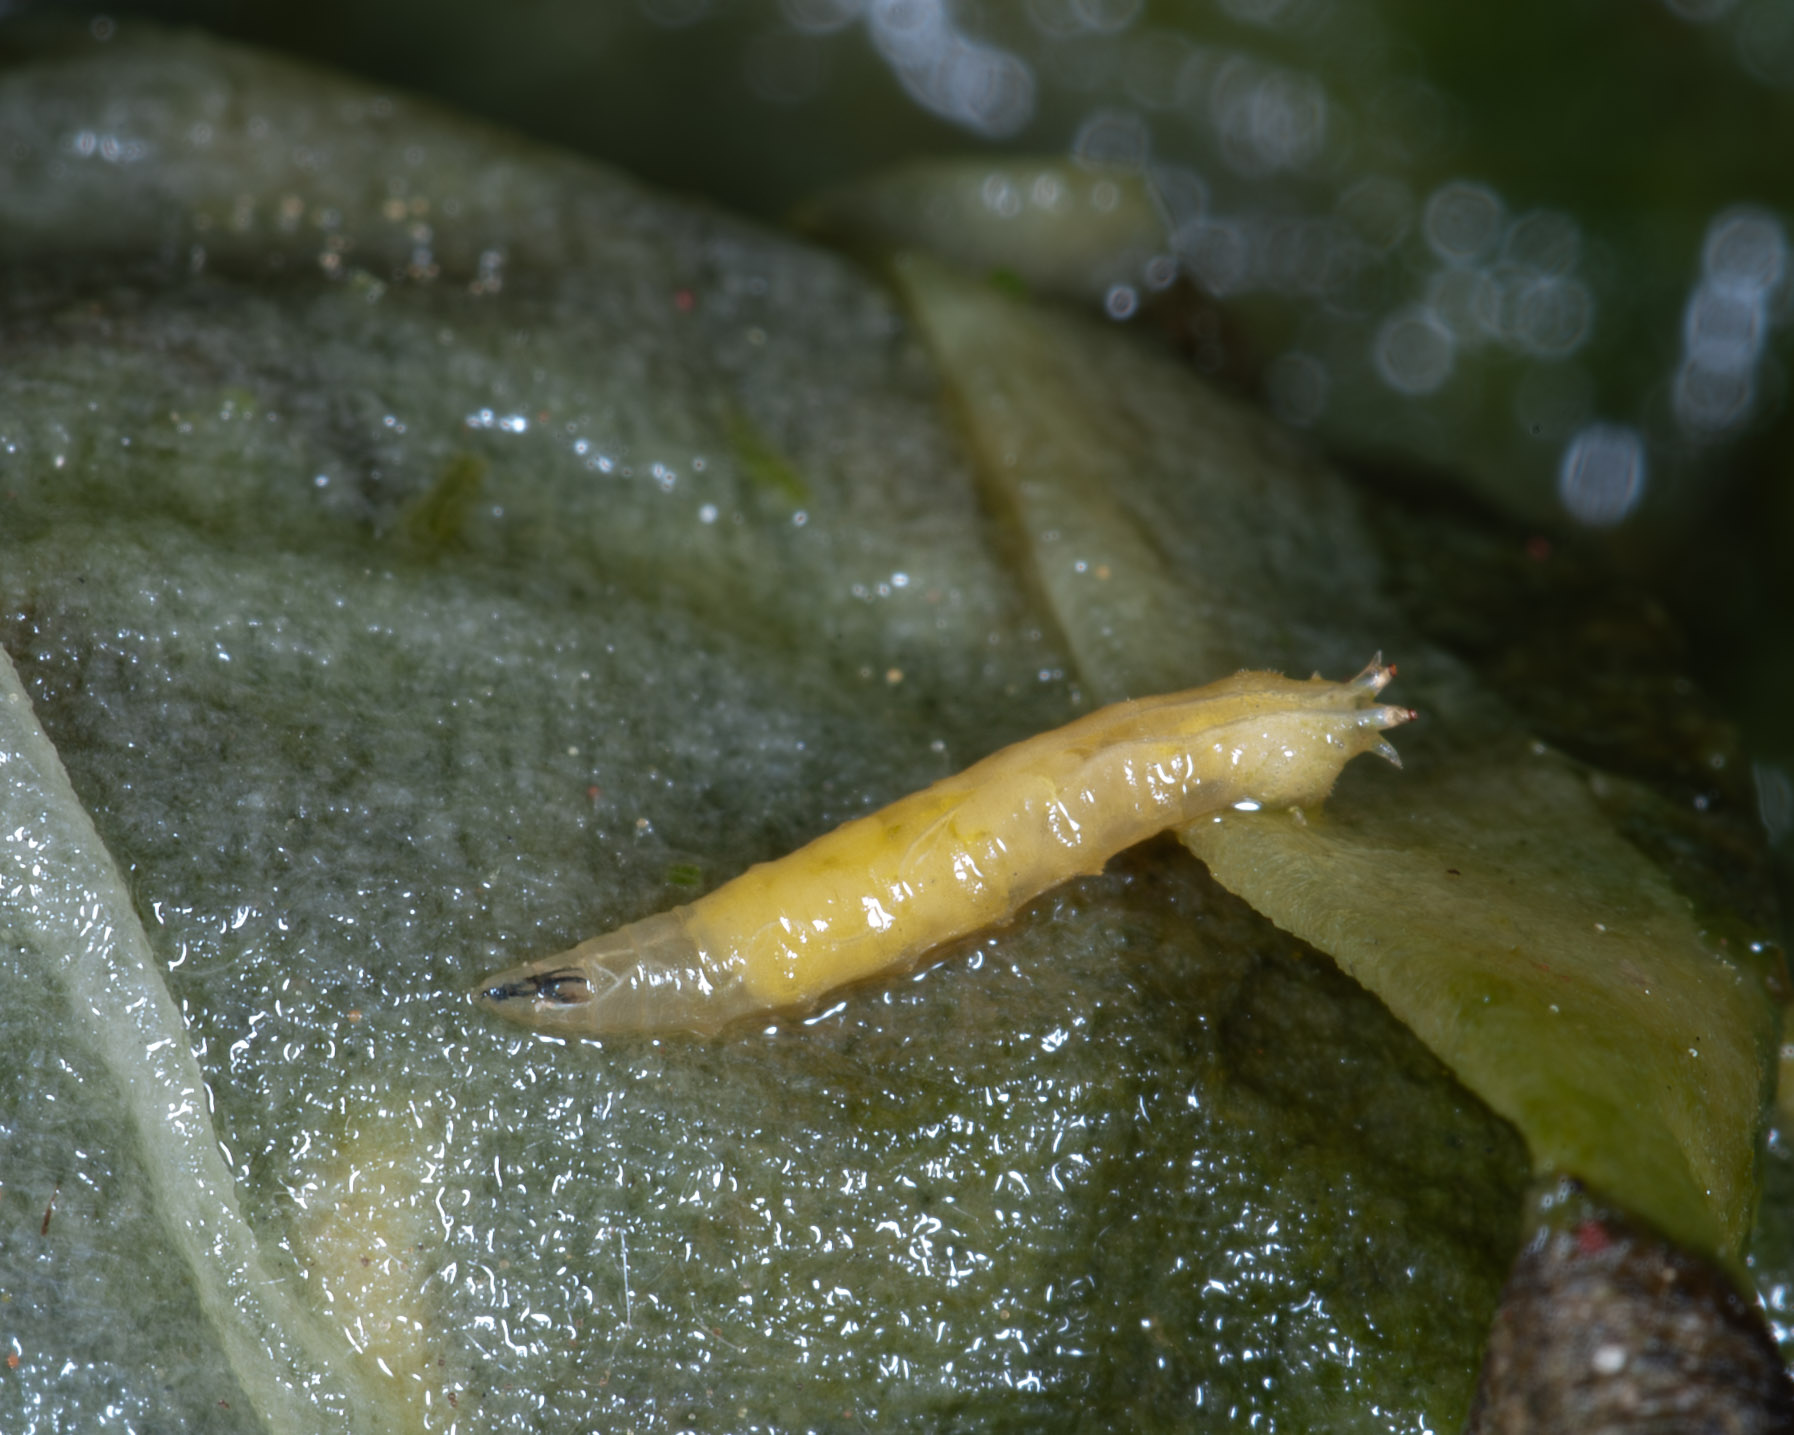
1606 1329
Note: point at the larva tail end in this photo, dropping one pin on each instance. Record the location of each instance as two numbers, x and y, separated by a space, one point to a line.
1383 716
1376 676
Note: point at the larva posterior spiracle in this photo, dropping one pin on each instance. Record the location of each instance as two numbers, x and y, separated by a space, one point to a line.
879 892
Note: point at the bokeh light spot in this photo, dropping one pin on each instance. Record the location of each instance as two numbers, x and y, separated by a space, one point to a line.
974 85
1746 249
1764 40
1708 401
1380 211
1775 799
1000 195
1182 198
1107 17
1602 476
1552 316
1722 327
1218 255
1543 241
1466 301
1268 119
1414 351
1113 139
1462 221
1726 319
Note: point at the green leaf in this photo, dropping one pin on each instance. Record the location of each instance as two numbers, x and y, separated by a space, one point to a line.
1482 893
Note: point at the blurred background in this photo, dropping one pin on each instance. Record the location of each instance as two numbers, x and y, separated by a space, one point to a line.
1533 255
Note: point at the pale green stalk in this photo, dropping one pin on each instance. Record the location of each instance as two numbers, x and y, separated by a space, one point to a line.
62 898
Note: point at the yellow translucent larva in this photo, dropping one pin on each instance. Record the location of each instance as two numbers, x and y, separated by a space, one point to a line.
879 892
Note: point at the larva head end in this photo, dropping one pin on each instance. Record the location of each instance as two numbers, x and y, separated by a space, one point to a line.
535 997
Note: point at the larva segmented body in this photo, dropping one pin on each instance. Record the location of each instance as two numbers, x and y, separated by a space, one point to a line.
880 891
